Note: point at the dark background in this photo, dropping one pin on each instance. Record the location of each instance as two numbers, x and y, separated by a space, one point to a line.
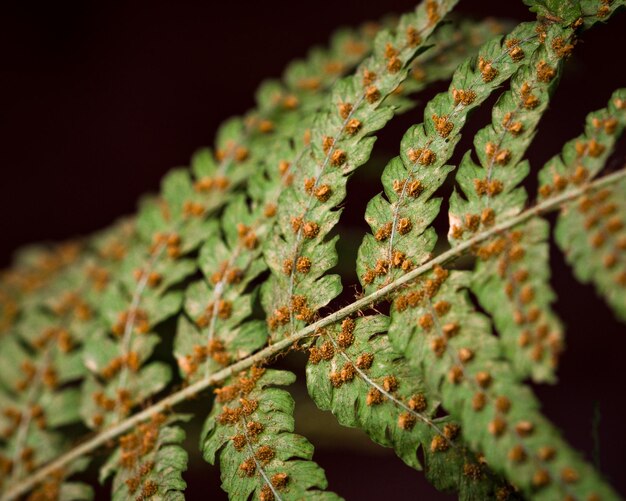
99 99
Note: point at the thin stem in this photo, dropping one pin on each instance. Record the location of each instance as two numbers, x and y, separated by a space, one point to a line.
192 390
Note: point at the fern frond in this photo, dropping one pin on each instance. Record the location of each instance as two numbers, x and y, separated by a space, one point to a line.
80 324
230 260
149 462
463 364
354 372
137 299
177 397
251 430
492 186
299 255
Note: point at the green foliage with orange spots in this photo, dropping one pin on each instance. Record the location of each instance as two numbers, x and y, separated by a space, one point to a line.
341 140
250 429
465 366
591 231
149 461
228 267
598 258
354 371
512 272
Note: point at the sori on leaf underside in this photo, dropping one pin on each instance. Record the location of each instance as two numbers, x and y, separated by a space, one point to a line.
229 265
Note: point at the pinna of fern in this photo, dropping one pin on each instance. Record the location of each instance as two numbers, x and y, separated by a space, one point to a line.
438 352
149 461
596 257
251 428
355 372
492 193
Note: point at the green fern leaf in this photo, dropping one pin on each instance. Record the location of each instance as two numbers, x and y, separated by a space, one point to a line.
80 323
589 231
599 257
39 391
139 296
463 364
219 304
354 372
149 462
251 430
132 305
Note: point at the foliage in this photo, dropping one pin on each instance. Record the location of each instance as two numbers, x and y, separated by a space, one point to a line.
229 266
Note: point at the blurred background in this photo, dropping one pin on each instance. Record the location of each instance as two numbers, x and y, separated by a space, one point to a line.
98 100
